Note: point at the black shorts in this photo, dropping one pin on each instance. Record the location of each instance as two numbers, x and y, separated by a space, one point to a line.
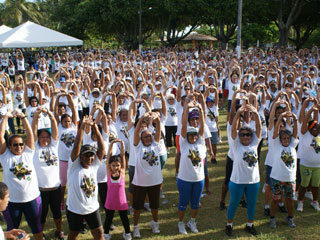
229 166
139 195
75 220
131 175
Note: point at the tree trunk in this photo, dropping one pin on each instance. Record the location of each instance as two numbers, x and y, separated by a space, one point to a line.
284 35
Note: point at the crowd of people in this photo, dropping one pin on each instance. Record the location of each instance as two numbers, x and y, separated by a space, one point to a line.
84 119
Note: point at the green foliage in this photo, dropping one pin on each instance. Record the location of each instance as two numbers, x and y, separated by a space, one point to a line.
264 33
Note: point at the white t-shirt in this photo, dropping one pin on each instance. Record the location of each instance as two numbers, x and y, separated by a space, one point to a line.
82 187
46 163
285 164
66 141
172 118
132 153
191 167
245 161
230 152
1 234
269 157
232 87
19 99
309 148
20 175
148 168
211 115
122 132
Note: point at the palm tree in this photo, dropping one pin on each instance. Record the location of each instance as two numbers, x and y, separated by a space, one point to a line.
15 12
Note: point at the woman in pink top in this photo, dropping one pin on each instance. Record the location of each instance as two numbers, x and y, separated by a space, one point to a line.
116 190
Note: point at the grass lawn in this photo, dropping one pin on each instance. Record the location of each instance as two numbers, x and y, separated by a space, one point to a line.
210 221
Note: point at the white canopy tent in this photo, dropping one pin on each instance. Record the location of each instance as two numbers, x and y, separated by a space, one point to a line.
4 28
29 34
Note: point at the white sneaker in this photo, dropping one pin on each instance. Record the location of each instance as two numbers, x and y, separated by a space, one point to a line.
300 206
162 196
127 236
315 205
107 236
154 226
136 231
182 228
309 195
193 226
147 207
295 197
264 188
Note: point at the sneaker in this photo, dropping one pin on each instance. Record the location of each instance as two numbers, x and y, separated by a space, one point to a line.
127 236
300 206
222 206
214 160
267 212
136 232
154 226
243 203
107 236
193 226
147 207
59 235
315 205
264 188
84 229
229 230
309 195
162 195
295 197
112 227
282 209
182 228
290 222
273 223
251 230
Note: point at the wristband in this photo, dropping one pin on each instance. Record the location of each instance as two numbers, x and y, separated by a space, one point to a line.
23 117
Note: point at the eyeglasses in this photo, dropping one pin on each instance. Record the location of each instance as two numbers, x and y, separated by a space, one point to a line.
17 144
34 101
187 89
245 134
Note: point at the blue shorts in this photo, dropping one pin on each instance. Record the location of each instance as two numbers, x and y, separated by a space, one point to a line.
268 172
189 192
31 211
214 137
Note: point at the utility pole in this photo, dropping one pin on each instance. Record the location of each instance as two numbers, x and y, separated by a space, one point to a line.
239 28
140 27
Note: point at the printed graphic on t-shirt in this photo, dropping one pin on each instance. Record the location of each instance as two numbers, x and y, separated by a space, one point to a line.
124 130
21 171
287 159
234 88
67 139
316 144
95 102
49 158
211 116
251 158
1 115
195 158
18 98
151 158
172 111
88 186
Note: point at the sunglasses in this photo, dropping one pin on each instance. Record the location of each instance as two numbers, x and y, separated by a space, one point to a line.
245 134
187 89
170 98
17 144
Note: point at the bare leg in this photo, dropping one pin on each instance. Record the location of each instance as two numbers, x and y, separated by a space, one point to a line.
180 215
38 236
58 222
224 191
274 207
177 161
315 191
194 213
154 214
136 216
97 233
290 206
73 235
302 191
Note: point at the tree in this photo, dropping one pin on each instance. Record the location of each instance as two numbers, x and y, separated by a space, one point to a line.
15 12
